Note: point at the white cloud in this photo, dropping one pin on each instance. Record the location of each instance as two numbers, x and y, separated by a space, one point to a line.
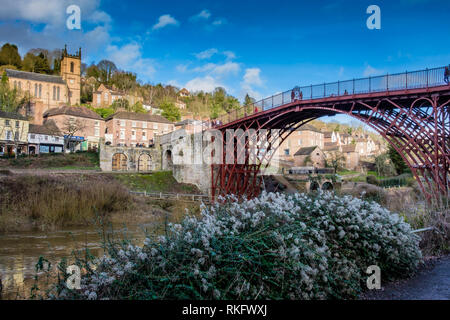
202 15
370 71
225 69
219 22
251 79
164 21
207 84
229 54
129 58
206 54
252 76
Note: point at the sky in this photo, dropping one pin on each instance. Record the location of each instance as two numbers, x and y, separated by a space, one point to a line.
256 47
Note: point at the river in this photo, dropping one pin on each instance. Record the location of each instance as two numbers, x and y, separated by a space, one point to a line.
20 251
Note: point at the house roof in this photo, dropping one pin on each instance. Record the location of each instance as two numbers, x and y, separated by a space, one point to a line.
34 76
12 115
305 151
308 127
349 148
48 128
81 112
124 115
327 134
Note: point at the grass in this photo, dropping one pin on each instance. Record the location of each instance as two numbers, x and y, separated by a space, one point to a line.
347 172
155 182
70 161
47 202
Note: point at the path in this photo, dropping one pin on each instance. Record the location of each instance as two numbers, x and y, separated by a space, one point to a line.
431 283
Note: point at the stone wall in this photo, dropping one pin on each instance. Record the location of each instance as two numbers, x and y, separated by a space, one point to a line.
132 154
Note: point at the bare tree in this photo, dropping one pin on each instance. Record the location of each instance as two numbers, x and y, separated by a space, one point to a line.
335 159
70 128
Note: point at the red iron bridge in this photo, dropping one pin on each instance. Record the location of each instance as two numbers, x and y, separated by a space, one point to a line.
409 110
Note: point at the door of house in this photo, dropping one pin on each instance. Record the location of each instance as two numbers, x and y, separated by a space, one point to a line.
119 162
145 162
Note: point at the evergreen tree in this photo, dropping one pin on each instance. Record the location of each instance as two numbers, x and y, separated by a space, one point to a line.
397 160
9 55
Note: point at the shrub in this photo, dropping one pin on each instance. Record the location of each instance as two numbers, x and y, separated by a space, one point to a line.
277 246
372 180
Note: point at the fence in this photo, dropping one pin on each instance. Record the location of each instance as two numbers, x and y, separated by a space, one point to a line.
173 196
390 82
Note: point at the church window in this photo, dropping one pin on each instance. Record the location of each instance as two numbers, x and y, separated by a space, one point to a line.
54 93
40 91
58 93
35 90
71 67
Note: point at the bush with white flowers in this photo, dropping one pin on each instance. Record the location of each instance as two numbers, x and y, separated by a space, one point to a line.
276 246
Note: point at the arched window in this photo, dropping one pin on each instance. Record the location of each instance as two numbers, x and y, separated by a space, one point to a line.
40 91
35 90
20 85
72 66
54 93
15 84
58 93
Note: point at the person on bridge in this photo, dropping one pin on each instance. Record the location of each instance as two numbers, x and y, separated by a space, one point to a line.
301 95
446 75
292 95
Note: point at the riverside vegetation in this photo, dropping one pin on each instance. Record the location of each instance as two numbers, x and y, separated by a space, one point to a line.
277 246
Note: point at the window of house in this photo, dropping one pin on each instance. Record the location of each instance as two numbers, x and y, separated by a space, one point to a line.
40 91
6 122
155 126
299 142
16 135
8 135
122 134
133 135
144 133
97 123
99 99
286 152
17 124
97 131
35 90
134 124
32 136
122 123
144 125
106 96
58 93
54 93
46 138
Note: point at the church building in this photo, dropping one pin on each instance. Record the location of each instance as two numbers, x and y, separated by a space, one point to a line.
49 91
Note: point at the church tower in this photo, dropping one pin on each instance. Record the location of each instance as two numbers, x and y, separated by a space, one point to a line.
71 74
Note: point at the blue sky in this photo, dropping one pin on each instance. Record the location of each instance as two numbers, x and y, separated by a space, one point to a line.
260 47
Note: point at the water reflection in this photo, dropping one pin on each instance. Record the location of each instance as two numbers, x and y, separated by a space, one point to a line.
20 251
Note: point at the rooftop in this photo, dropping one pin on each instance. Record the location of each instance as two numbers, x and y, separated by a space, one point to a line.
124 115
308 127
48 128
81 112
12 115
349 148
34 76
305 151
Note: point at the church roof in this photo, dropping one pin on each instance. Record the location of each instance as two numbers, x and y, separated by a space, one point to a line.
34 76
125 115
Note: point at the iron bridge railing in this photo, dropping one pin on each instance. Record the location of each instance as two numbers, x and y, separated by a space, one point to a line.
391 82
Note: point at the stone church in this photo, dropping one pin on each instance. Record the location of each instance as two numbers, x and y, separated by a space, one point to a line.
48 91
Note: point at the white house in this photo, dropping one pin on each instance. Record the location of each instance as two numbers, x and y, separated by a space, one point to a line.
45 138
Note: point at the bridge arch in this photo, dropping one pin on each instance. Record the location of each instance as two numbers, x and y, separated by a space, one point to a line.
415 122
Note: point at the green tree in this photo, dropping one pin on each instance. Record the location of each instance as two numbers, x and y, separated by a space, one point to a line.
170 111
397 160
9 54
11 100
384 165
138 108
123 104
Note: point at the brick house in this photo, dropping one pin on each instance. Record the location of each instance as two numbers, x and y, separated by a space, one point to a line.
306 136
351 156
90 126
309 156
135 129
105 97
